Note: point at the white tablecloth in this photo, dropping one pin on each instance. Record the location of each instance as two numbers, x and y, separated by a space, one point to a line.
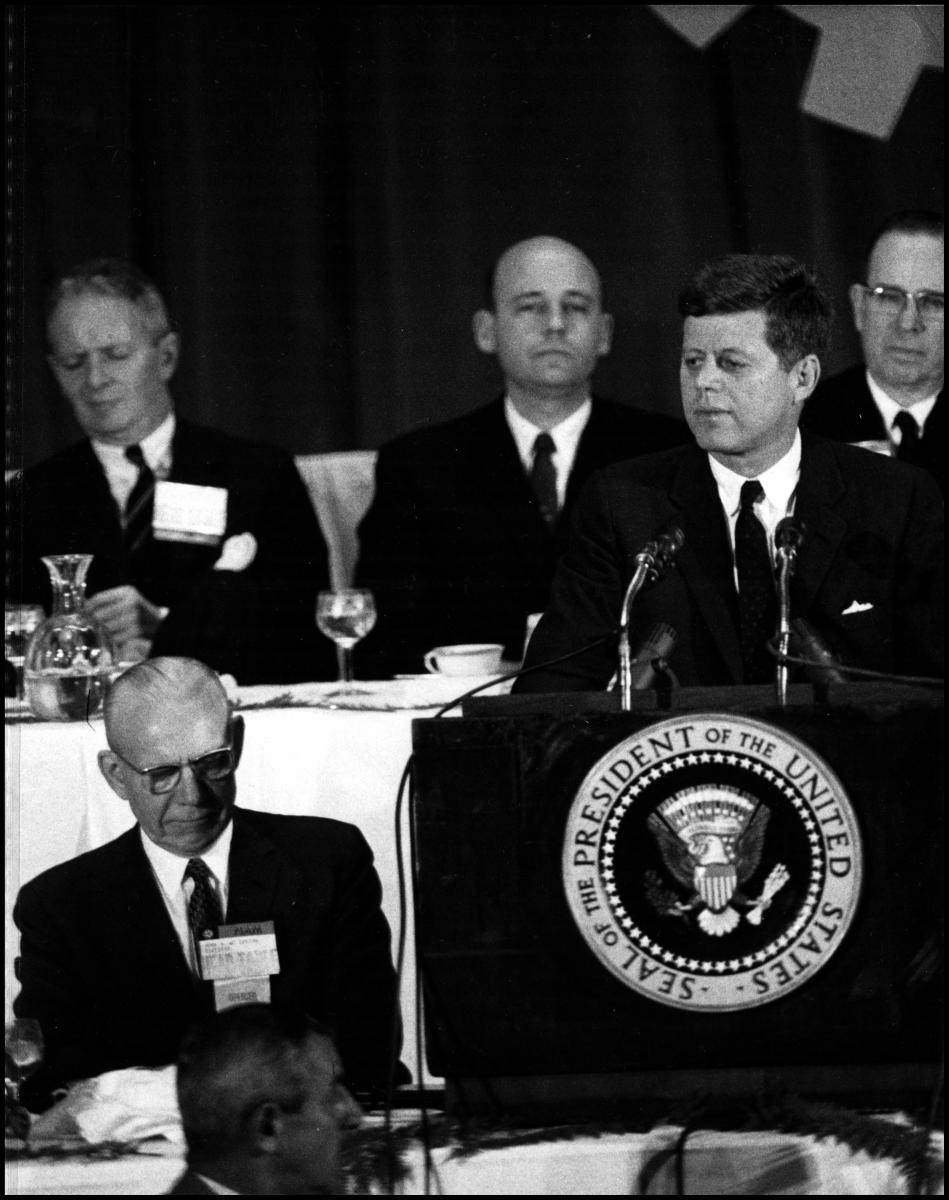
301 760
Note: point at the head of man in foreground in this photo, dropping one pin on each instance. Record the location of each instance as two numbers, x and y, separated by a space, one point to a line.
263 1105
754 328
173 749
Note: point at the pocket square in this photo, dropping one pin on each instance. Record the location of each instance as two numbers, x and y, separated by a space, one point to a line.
237 553
856 606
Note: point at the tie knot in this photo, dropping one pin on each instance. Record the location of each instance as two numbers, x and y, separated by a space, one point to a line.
751 493
906 423
135 456
197 869
544 445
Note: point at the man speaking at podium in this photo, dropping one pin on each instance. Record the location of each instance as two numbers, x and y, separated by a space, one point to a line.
868 576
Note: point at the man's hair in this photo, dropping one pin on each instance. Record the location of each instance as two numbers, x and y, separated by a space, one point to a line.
113 277
231 1063
169 682
909 220
797 312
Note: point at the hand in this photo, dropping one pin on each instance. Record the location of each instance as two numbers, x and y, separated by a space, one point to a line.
126 613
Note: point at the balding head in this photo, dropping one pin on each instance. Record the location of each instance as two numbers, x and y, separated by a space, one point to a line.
168 713
546 325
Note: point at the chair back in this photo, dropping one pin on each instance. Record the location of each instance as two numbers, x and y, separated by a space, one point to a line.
341 488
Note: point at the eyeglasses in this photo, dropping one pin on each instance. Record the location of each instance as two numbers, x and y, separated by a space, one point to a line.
930 306
210 768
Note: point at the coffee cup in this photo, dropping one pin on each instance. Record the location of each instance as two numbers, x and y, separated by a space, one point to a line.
475 659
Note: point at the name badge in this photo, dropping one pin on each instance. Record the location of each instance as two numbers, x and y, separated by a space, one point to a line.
229 993
240 952
187 512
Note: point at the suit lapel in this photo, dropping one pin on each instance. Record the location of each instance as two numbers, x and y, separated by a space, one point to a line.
818 506
255 872
137 911
496 464
705 561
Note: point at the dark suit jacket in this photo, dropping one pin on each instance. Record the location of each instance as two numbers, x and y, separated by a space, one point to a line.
874 532
189 1184
842 408
102 969
257 623
454 545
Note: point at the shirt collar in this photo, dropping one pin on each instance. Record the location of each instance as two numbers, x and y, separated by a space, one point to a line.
156 448
779 482
566 434
170 868
890 410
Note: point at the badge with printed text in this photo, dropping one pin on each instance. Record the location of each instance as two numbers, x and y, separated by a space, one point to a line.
712 862
240 952
187 512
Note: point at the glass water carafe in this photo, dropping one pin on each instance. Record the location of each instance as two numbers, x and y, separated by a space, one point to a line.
70 656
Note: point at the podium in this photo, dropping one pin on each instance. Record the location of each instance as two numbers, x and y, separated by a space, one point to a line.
521 1012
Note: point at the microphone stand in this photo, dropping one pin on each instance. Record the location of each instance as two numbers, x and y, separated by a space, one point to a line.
651 563
787 539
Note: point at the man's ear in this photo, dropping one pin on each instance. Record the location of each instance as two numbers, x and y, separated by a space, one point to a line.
606 334
236 730
484 326
858 298
261 1128
111 767
804 376
168 348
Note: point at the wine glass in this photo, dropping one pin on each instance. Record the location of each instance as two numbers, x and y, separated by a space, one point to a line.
23 1044
346 615
19 621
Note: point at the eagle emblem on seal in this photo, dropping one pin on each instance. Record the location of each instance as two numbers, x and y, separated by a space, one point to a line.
711 839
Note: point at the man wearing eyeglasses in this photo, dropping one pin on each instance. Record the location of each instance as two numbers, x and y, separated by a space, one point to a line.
894 402
112 964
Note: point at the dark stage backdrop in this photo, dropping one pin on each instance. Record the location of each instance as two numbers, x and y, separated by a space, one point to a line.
319 189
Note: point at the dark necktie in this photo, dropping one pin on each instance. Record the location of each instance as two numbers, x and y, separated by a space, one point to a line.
204 911
544 476
909 442
757 601
137 521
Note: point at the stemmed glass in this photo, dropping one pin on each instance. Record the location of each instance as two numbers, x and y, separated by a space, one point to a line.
19 621
346 615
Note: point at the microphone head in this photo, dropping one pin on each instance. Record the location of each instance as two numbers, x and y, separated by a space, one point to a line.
789 535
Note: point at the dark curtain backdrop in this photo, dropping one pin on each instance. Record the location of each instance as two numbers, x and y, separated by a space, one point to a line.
320 190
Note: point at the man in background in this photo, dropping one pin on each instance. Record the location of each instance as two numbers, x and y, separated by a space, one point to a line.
469 517
263 1106
893 400
114 944
203 544
869 574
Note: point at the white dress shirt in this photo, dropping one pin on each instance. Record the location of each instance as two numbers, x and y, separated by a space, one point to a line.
779 484
566 438
122 474
169 870
889 410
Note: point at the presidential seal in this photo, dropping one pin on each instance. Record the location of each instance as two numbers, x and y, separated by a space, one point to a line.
712 862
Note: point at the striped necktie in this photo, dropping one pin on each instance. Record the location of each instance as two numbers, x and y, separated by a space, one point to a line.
137 520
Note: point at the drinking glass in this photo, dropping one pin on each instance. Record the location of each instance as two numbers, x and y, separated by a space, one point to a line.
345 615
23 1044
19 621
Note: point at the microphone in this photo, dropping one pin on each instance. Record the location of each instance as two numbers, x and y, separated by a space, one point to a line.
788 537
822 668
652 561
659 643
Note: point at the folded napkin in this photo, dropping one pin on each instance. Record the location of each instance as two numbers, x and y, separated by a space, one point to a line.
119 1106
